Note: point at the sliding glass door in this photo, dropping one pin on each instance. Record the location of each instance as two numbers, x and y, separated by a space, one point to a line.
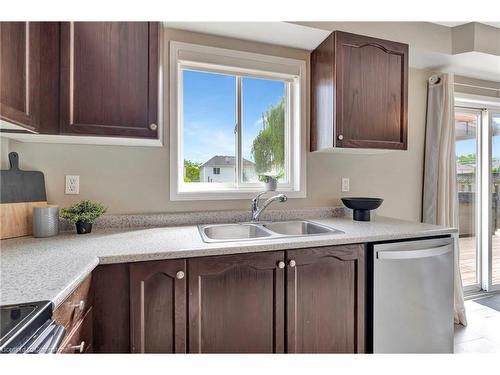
493 262
477 145
467 130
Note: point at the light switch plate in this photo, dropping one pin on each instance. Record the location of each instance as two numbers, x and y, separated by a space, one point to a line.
72 185
345 184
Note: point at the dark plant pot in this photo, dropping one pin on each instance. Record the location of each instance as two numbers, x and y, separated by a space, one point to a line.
83 228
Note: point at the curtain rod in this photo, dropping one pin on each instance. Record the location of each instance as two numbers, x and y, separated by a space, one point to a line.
477 87
435 79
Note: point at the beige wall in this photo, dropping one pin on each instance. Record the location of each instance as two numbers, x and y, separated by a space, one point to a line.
4 151
136 179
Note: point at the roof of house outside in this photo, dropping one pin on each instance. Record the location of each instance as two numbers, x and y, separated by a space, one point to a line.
465 168
225 161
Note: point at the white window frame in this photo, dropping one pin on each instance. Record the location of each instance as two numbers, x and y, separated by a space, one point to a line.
239 63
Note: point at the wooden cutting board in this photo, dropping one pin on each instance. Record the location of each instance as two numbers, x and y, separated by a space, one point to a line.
20 191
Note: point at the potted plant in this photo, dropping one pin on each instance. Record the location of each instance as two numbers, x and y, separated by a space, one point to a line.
83 214
270 180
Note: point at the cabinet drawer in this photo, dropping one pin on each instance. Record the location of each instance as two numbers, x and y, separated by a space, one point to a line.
79 340
75 306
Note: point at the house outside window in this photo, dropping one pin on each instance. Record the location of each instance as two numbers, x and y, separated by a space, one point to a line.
235 116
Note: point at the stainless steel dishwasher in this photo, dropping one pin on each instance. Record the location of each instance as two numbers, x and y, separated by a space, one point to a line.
413 296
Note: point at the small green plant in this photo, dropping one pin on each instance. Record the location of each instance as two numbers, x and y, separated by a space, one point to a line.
268 177
83 212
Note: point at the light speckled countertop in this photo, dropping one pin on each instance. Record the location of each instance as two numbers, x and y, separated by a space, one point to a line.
34 269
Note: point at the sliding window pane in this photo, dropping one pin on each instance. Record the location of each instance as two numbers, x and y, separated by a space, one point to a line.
495 177
263 128
209 118
466 152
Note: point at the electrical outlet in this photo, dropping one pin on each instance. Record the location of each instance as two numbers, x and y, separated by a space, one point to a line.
72 185
345 184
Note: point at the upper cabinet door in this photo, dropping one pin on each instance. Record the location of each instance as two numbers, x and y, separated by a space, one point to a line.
359 93
20 73
372 80
109 78
236 303
325 300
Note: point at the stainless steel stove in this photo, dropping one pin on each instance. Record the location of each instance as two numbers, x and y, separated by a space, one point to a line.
29 328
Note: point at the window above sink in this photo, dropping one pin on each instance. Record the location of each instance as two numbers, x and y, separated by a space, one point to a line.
234 116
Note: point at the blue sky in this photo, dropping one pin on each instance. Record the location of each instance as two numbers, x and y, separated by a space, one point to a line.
209 112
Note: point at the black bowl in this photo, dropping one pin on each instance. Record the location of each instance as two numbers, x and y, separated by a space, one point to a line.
361 207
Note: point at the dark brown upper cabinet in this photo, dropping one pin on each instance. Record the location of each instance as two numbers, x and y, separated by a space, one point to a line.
158 306
109 79
359 93
325 300
236 303
20 73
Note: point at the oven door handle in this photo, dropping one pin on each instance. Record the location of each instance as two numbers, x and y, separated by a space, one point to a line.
49 340
57 338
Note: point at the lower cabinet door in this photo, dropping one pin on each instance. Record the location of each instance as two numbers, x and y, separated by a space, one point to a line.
236 303
325 300
158 306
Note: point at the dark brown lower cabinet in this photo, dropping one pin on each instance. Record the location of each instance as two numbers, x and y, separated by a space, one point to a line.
158 306
295 301
325 300
236 303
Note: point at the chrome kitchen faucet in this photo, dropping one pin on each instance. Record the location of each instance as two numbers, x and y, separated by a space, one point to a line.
257 209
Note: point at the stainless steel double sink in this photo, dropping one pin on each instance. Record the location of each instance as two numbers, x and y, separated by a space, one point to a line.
263 230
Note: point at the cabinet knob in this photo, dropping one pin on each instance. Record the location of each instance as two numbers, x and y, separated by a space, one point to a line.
340 137
180 275
292 263
281 264
80 305
77 348
153 126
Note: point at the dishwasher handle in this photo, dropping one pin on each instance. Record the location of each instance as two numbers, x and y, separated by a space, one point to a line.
415 254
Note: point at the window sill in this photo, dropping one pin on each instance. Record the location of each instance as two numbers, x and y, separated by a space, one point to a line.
229 194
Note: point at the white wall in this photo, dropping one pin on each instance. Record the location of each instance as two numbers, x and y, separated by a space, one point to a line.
136 179
226 174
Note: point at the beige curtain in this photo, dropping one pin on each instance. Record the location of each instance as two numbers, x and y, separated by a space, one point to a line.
440 200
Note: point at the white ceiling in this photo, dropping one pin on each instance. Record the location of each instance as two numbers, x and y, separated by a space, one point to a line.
453 24
472 64
279 33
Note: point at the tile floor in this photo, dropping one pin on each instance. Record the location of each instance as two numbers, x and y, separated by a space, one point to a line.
482 334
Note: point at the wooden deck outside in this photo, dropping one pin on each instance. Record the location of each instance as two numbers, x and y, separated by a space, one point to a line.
468 259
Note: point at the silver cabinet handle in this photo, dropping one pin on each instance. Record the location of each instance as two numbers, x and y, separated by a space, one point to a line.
80 305
153 126
414 254
340 137
281 264
180 275
292 263
77 348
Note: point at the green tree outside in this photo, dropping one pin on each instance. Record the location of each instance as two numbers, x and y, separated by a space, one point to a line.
467 159
268 149
191 171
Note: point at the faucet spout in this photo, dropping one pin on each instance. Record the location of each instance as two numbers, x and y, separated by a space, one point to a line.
257 209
